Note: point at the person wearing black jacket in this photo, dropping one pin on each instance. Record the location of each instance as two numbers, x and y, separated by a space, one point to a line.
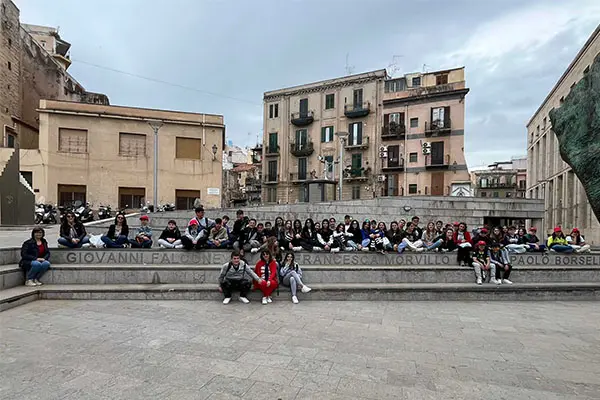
238 226
117 236
448 243
355 241
309 236
170 238
394 235
35 254
250 239
72 232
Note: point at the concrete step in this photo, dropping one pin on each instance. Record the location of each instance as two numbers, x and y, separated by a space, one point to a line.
11 276
383 291
219 257
329 274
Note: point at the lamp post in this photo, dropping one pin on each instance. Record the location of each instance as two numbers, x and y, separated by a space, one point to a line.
342 136
155 125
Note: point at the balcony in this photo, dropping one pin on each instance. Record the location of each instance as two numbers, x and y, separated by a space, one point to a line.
297 177
271 151
438 127
302 149
393 132
437 162
302 118
353 145
258 148
271 179
496 185
356 174
357 110
393 165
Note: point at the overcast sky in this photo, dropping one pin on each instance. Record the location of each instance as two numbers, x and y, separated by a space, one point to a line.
228 53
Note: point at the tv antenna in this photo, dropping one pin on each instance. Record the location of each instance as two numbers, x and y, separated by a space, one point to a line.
425 68
349 68
393 67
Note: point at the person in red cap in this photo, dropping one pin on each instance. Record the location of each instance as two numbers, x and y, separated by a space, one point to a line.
192 240
577 242
266 269
482 265
558 242
533 241
143 234
482 235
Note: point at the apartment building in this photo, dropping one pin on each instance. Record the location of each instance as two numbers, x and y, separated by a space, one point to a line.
549 177
502 179
105 155
375 124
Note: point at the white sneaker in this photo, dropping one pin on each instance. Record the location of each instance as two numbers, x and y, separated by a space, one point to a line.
298 248
244 300
479 281
264 300
37 283
254 251
86 245
226 300
336 250
483 275
161 246
493 280
30 282
294 300
365 249
498 281
506 281
305 289
179 246
316 248
420 249
269 299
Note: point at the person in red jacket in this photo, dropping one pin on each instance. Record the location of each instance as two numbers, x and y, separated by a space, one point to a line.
462 238
266 269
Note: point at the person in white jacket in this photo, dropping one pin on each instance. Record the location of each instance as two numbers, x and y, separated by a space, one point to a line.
291 275
577 242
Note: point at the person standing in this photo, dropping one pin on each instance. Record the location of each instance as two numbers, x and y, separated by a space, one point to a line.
266 269
291 275
35 256
236 275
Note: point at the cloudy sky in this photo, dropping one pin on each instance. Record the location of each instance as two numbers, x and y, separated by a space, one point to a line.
221 56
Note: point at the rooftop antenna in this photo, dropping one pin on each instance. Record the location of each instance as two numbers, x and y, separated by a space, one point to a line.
425 68
349 68
393 67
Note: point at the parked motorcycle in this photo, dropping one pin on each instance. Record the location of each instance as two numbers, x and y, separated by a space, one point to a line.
104 212
45 214
169 207
146 208
83 212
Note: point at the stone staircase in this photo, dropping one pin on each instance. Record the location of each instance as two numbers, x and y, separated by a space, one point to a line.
179 275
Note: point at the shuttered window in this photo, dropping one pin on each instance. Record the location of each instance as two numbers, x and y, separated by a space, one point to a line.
188 148
132 144
327 134
72 140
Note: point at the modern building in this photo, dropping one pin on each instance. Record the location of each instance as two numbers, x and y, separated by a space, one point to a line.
548 176
104 155
505 179
391 137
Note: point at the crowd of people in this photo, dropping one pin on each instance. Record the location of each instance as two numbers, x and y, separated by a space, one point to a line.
484 249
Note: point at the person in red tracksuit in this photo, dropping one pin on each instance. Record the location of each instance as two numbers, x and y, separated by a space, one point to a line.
266 269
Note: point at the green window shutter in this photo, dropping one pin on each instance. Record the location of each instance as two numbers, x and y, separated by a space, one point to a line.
323 132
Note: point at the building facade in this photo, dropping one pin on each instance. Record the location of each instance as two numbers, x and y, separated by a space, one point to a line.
549 177
398 137
503 179
104 155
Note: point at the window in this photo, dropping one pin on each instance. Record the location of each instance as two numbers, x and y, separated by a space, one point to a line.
69 194
272 142
132 144
303 107
301 139
11 140
393 159
72 140
329 101
390 186
28 176
9 66
413 157
355 192
329 161
302 167
357 97
184 199
272 171
302 194
483 194
274 110
271 195
440 117
131 197
397 85
327 134
189 148
414 122
441 79
416 81
355 136
412 188
356 169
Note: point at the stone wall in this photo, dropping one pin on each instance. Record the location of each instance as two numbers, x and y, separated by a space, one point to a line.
10 49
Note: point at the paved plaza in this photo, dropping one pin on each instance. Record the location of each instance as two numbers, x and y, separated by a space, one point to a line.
314 350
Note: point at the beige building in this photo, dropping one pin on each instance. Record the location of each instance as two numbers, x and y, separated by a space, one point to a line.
502 179
405 137
104 155
549 177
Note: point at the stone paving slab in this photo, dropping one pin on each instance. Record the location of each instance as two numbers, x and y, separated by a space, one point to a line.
314 350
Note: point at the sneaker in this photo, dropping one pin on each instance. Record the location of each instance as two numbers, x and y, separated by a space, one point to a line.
298 248
483 275
269 299
264 300
254 251
86 245
506 281
226 300
37 283
30 282
479 281
336 250
493 280
365 249
294 300
420 249
179 246
498 281
244 300
305 289
316 248
161 246
349 248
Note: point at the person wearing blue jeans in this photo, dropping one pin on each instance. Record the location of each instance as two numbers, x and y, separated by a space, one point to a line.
558 242
72 232
117 236
34 257
291 275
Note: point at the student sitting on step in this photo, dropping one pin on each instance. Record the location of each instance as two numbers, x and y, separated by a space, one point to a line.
72 232
218 237
325 238
236 275
35 255
394 235
250 239
204 226
557 242
499 258
143 234
513 243
341 236
533 241
170 238
411 240
448 243
462 238
577 242
266 269
192 239
117 235
291 275
482 266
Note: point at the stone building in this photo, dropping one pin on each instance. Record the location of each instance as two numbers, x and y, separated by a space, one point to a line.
549 177
104 155
502 179
405 136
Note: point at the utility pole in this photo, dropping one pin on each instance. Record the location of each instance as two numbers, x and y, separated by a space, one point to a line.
342 136
155 125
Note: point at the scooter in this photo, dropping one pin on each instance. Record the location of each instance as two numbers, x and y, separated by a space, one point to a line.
83 212
169 207
45 214
104 212
39 213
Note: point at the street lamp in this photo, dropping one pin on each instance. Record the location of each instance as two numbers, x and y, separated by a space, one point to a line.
155 125
342 136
